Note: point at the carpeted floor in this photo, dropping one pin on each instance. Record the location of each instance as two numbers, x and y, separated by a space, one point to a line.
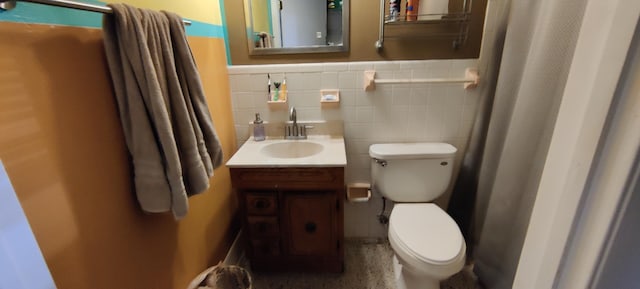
367 266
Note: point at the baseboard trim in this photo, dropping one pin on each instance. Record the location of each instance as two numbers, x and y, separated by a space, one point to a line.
366 240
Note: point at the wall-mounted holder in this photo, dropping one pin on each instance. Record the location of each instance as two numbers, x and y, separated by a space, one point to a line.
470 81
358 192
329 96
282 97
277 91
280 104
457 23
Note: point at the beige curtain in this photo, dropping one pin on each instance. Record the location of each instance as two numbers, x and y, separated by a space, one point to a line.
525 75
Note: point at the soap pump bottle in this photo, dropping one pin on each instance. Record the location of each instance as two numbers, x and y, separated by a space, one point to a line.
258 129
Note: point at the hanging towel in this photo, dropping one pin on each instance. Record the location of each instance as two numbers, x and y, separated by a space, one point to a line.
208 142
264 40
163 111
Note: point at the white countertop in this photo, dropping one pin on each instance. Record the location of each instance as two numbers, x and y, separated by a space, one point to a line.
251 154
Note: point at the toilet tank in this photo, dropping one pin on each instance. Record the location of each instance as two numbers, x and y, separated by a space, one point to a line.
411 172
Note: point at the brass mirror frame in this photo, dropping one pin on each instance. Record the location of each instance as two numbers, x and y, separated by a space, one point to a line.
303 49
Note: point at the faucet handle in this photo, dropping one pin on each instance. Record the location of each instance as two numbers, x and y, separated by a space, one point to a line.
303 130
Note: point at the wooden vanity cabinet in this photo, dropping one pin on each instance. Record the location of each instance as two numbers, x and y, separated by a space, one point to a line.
293 216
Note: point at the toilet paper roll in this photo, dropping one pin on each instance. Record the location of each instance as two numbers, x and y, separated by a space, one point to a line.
358 192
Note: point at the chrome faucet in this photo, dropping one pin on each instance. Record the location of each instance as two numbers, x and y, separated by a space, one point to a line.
294 131
292 116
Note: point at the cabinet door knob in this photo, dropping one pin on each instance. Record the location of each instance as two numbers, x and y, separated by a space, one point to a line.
310 227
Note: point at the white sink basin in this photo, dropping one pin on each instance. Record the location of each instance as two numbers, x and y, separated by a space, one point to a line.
316 151
293 149
324 147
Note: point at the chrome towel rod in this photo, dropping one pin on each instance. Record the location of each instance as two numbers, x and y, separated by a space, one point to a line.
10 4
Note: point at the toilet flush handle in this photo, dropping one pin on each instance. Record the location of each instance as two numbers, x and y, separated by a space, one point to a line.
380 162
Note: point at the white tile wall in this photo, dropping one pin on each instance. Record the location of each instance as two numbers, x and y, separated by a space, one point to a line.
391 113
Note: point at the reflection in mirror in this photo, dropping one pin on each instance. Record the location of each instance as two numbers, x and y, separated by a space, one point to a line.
296 26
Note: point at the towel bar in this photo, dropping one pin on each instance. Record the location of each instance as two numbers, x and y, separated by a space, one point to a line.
470 81
10 4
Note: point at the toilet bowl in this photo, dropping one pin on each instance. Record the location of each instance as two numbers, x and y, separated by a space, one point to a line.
427 243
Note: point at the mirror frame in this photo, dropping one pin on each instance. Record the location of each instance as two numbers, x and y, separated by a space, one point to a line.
303 49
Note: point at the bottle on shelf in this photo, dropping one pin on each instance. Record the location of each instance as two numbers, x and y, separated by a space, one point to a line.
394 10
412 10
283 89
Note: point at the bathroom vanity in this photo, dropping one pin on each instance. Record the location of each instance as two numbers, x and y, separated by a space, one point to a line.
293 217
291 194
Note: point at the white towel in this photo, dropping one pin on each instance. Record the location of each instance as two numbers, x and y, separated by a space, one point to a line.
433 7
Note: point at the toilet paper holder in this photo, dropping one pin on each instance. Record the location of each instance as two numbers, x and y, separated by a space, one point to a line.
358 192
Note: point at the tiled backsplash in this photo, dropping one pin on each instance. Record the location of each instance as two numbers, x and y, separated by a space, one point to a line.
391 113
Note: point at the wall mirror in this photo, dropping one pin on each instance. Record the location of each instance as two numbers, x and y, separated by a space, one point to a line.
296 26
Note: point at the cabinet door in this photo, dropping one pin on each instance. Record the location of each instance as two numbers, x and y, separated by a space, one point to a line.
311 222
260 226
265 248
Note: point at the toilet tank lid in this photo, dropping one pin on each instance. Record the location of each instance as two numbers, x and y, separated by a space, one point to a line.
425 150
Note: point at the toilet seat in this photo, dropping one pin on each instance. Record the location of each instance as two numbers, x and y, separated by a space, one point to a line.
426 233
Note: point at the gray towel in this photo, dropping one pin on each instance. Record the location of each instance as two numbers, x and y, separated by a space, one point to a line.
163 110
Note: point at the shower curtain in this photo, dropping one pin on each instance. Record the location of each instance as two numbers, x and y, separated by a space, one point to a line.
525 60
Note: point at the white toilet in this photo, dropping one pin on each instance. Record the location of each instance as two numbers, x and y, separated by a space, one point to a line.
427 242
